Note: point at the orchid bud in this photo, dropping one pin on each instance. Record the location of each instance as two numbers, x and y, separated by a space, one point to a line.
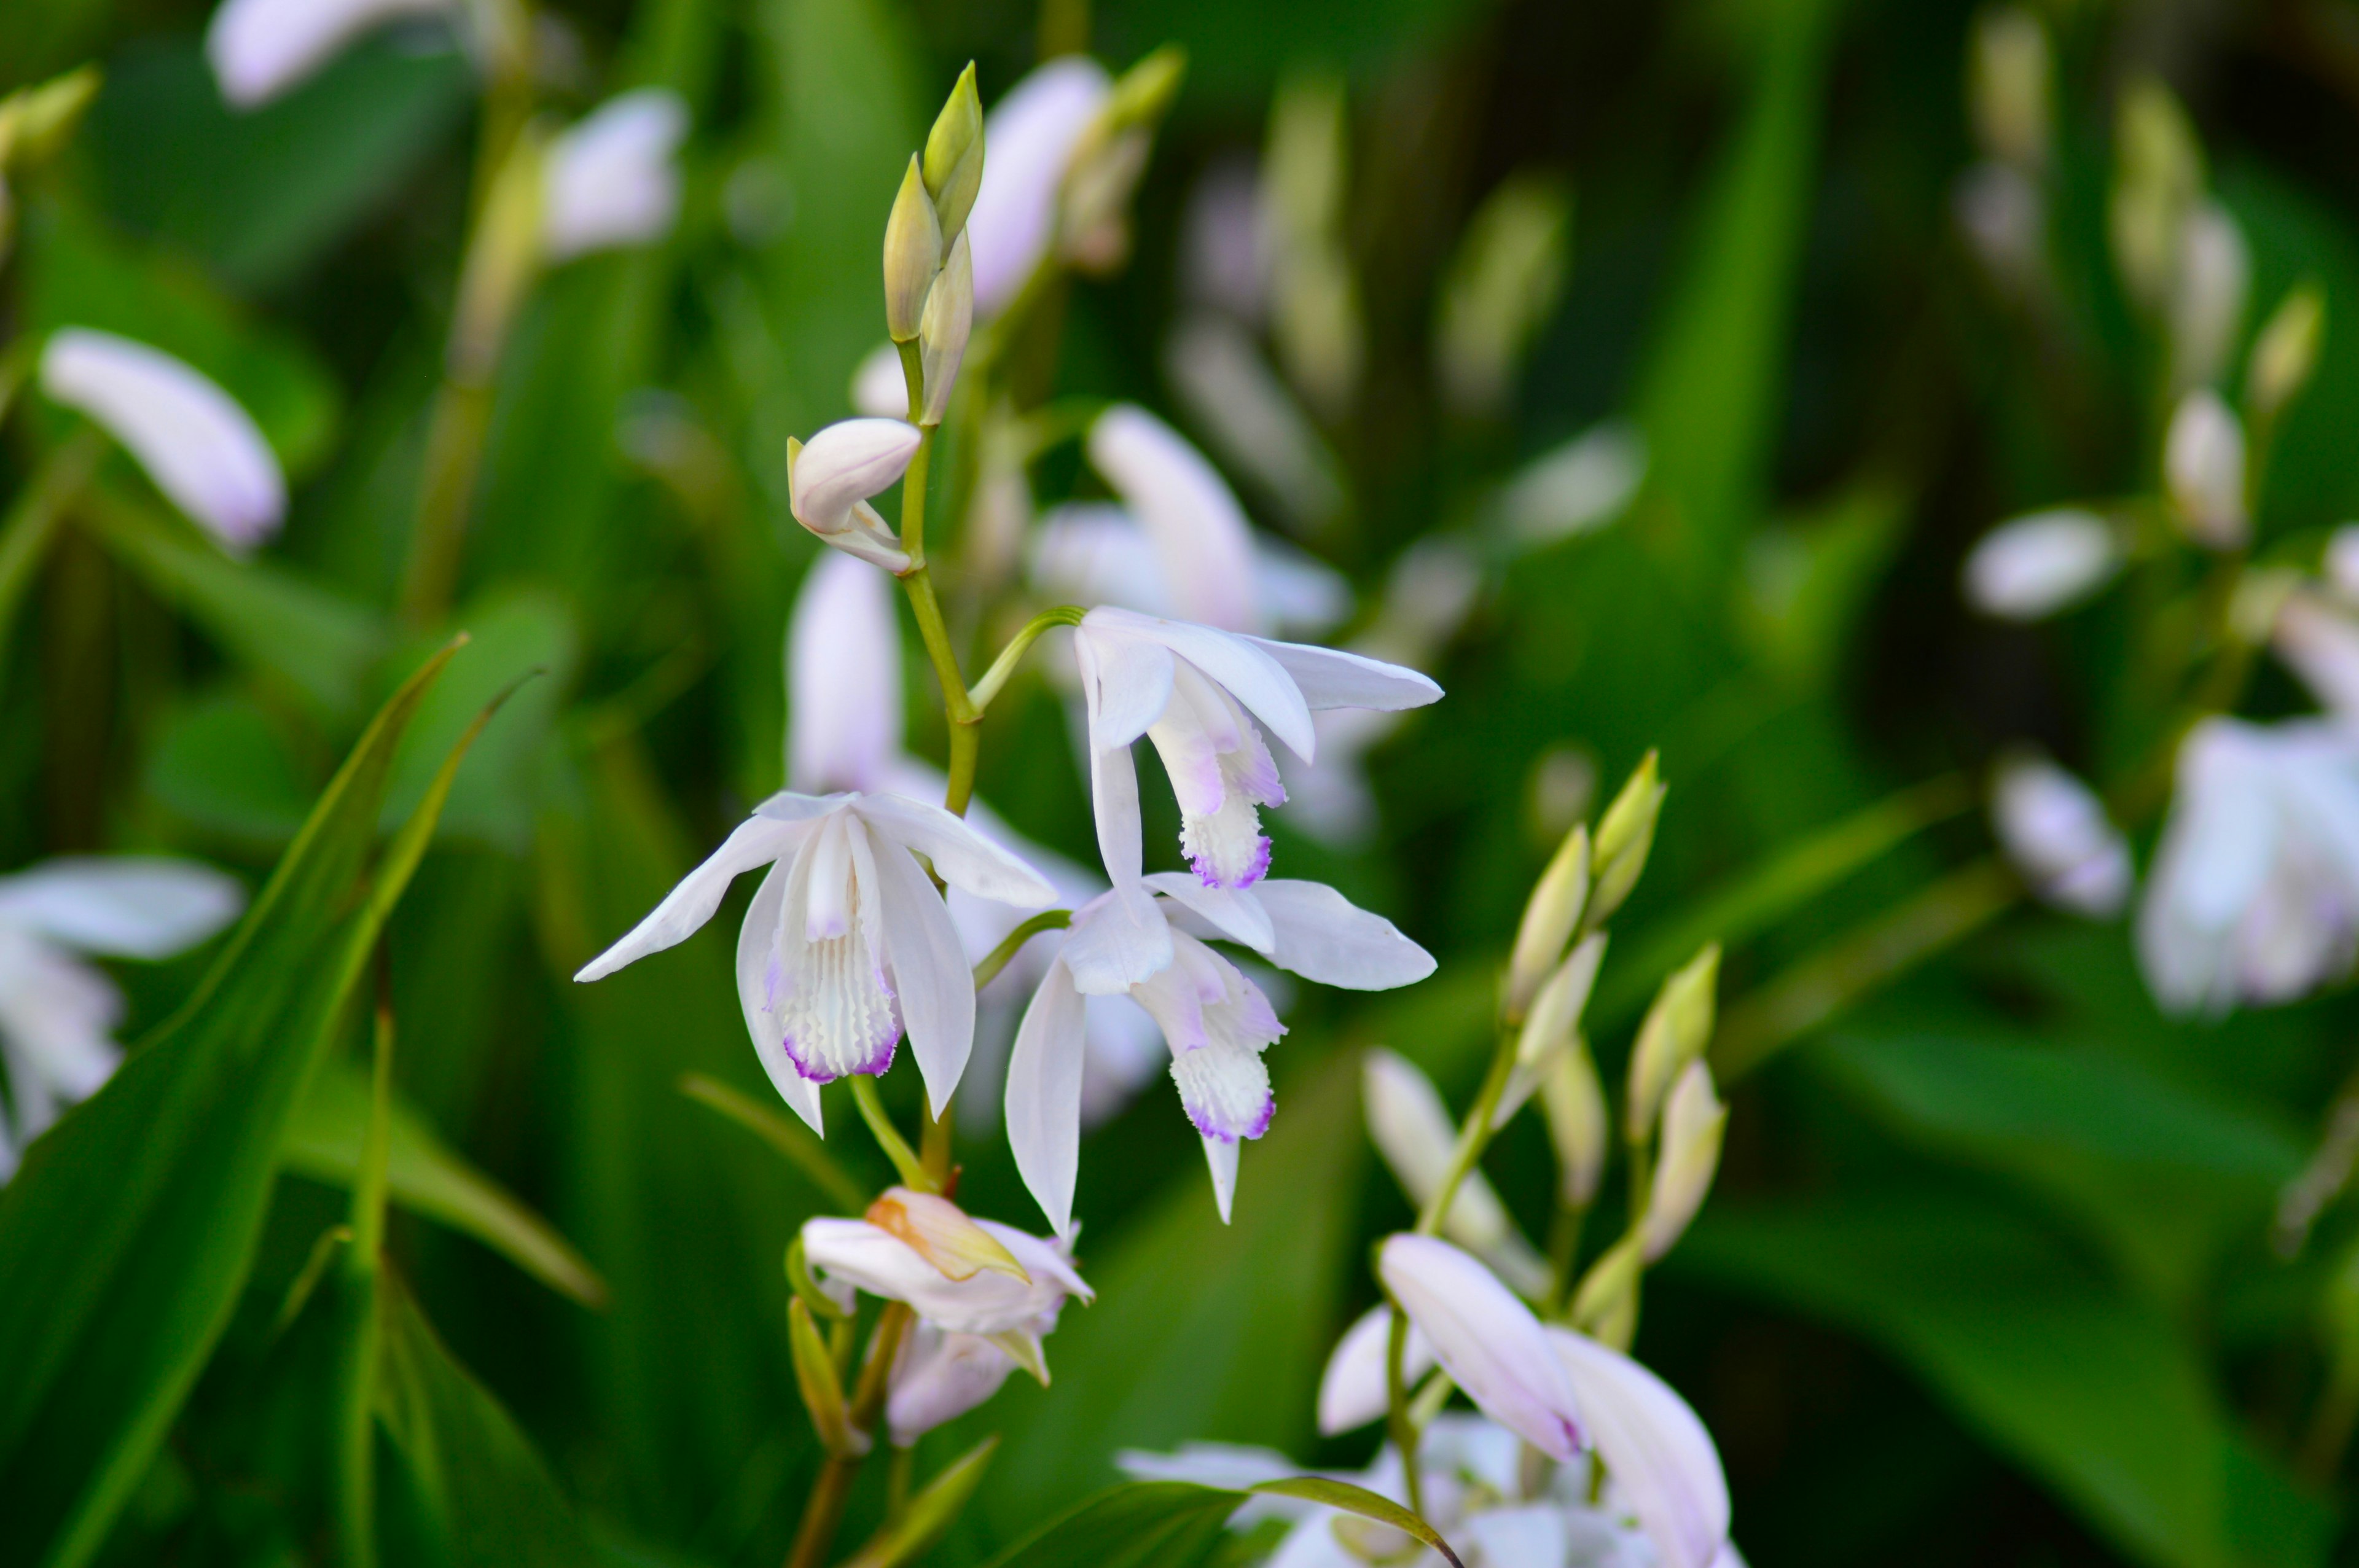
1677 1029
1487 1341
1143 95
828 481
952 167
1577 488
1624 835
913 254
2158 176
2285 352
1556 1012
1694 1123
2008 84
1549 916
1606 1305
1574 1101
943 330
2207 298
1412 1128
2029 567
1502 287
939 1232
823 1391
2057 835
2203 467
36 121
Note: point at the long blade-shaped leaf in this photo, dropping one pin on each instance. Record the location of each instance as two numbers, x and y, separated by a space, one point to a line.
1146 1524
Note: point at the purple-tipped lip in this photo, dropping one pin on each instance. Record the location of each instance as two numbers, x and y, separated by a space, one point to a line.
1253 873
1260 1125
874 1064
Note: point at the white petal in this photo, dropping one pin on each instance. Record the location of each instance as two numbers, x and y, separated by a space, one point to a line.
880 388
1044 1095
1575 488
203 451
1296 591
609 179
1126 680
754 947
1329 677
1125 941
1248 667
130 907
1221 1155
843 677
962 857
1489 1342
2031 567
1512 1537
930 973
1028 140
1201 540
1322 937
259 48
1236 914
1353 1390
2055 830
1659 1454
847 462
2203 463
1229 1467
1093 552
757 842
939 1378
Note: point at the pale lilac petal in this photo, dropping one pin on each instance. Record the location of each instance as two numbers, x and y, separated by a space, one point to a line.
1044 1095
1322 936
962 857
1234 913
931 975
259 48
128 906
1661 1458
1124 942
941 1376
2029 567
1510 1537
1027 142
843 677
849 462
1355 1390
755 945
1329 677
609 178
1092 552
880 387
1126 680
1201 540
1487 1341
1248 667
757 842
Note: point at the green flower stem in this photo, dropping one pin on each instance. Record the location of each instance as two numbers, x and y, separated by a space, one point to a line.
1397 1424
356 1428
1003 668
1564 1253
888 1138
1472 1137
997 958
824 1510
32 523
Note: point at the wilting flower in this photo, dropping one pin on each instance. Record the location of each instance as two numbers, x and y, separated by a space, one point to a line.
1216 1020
1412 1128
2031 567
1195 692
1487 1341
830 478
846 943
202 449
2055 832
56 1012
1031 134
2253 896
259 48
2203 467
610 179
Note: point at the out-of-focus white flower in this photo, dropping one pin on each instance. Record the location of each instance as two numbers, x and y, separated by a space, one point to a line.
1202 543
2319 638
1216 1021
56 1012
2031 567
1412 1128
1031 134
2207 296
259 48
1225 253
1353 1390
846 942
1686 1158
830 478
1236 397
610 178
880 388
1089 552
2254 896
2004 216
1487 1341
203 451
1576 488
2057 835
2341 563
2203 465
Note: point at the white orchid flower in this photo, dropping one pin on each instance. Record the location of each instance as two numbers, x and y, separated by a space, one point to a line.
201 450
1196 692
2059 838
1412 1128
830 478
2029 567
56 1012
1202 539
260 49
2253 896
1215 1021
1030 135
1486 1339
1355 1390
1662 1460
610 178
846 943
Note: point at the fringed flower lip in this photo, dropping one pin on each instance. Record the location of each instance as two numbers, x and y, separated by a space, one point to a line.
846 944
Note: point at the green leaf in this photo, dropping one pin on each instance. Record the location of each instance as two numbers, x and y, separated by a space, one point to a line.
1359 1500
933 1510
1146 1524
127 1235
220 762
426 1177
487 1497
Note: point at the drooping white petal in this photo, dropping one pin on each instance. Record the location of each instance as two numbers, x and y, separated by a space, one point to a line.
57 1015
1234 913
1221 1157
1322 936
929 972
259 48
1230 1467
1125 678
2320 641
756 939
1201 541
1656 1451
1330 677
1126 940
202 449
755 841
843 678
2031 567
1028 140
609 179
1576 488
847 462
1489 1342
129 906
1044 1095
940 1377
2056 833
962 857
1354 1390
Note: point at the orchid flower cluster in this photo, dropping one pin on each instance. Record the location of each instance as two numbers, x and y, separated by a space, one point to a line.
1578 1455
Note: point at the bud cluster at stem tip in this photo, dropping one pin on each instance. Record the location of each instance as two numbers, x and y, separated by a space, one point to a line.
928 265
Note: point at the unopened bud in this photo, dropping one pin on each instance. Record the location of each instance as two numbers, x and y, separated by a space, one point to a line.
939 1232
2207 298
2159 175
1605 1307
913 254
1502 287
943 329
823 1391
1678 1027
2031 567
2007 85
2203 468
1097 201
953 161
2285 352
829 483
34 122
1549 916
1144 93
1624 835
1574 1101
1694 1123
1412 1128
1555 1015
